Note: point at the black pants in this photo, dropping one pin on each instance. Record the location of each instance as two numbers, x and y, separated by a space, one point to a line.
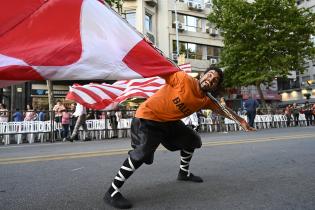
296 119
146 135
251 118
308 117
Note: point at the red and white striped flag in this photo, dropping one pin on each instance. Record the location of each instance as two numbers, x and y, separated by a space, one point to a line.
105 96
73 40
186 67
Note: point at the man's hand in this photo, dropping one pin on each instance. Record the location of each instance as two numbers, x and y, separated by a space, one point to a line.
246 126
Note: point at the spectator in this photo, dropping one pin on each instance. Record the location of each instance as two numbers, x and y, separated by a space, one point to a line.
251 105
65 121
287 113
103 115
30 114
223 128
42 115
17 116
113 122
296 114
73 118
313 113
4 113
307 109
58 111
80 113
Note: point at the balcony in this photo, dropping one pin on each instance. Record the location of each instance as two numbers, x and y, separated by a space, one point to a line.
151 3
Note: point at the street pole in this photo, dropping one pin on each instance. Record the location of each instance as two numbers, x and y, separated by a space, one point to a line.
176 27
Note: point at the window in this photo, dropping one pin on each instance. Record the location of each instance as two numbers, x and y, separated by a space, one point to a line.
148 22
191 23
130 16
213 52
197 51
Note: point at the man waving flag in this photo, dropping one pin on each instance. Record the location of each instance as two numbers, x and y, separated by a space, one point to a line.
73 40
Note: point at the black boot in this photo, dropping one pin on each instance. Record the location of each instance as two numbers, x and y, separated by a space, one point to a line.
117 201
184 176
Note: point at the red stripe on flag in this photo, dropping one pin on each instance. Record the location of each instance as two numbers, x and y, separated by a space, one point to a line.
49 35
107 92
93 95
147 62
16 72
97 106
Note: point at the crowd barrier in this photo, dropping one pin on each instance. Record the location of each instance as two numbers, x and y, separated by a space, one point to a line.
43 131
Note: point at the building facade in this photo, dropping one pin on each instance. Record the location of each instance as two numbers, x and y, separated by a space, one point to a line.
198 41
300 87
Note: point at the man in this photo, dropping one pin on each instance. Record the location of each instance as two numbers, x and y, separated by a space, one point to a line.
307 109
17 116
80 113
157 121
251 106
296 114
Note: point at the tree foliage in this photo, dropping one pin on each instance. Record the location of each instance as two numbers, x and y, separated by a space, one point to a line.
263 39
115 3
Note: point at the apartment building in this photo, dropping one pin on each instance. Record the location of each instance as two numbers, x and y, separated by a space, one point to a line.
298 86
198 41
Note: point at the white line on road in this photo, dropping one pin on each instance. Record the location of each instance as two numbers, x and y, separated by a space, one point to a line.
76 169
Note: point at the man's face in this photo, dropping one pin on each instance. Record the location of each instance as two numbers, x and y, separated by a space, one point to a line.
209 81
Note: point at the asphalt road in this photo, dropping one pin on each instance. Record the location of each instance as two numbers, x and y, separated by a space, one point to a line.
268 169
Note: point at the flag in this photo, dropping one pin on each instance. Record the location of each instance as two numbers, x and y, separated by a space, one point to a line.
186 67
73 40
106 96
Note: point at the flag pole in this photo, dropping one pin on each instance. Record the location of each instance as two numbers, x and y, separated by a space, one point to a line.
223 108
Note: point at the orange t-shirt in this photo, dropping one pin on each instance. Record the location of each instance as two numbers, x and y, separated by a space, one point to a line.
178 98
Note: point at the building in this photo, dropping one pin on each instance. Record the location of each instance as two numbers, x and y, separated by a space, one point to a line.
198 40
300 87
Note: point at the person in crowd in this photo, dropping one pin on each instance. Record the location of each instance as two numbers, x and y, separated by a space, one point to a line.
30 114
4 113
307 110
296 114
113 122
58 111
17 116
251 105
313 113
157 121
73 119
80 113
103 115
223 127
65 121
91 114
288 113
42 114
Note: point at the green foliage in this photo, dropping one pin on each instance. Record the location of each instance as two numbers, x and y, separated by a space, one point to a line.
115 4
262 40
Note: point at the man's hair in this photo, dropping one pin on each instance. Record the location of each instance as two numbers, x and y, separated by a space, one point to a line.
218 90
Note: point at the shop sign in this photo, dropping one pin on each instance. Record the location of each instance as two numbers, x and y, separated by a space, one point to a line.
41 92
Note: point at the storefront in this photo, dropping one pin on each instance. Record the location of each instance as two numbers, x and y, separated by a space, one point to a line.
39 95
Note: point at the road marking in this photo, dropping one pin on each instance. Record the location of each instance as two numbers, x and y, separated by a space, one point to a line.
76 169
19 160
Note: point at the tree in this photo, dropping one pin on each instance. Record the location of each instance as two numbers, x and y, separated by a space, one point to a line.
263 40
115 3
